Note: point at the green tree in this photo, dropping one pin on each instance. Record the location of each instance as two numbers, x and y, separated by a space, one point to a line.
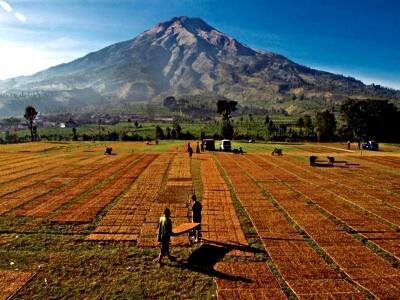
159 133
308 124
178 129
35 133
325 124
225 108
173 134
170 103
300 123
168 133
30 116
371 119
74 134
270 129
282 129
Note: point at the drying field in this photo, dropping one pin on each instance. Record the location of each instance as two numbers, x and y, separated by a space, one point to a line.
75 223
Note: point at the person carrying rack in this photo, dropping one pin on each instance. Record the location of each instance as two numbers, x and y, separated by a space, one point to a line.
196 216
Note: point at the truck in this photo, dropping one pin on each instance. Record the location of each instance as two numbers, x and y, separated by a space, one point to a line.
370 145
209 144
226 145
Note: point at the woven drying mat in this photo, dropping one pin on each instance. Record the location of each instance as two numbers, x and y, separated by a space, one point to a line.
184 228
12 281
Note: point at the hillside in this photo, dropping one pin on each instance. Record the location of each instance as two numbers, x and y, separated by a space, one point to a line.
184 56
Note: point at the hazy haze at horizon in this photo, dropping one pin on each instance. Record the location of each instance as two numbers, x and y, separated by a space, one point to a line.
355 38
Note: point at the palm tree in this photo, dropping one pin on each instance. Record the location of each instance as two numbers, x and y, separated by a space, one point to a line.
30 116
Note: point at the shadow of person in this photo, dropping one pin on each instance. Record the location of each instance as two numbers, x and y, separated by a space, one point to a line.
322 165
204 259
234 246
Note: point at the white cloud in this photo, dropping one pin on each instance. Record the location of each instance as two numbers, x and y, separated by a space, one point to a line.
16 60
20 17
7 7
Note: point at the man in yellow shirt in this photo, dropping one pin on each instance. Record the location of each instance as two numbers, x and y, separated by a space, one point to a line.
164 235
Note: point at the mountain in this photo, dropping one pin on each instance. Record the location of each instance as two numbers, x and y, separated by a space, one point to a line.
183 56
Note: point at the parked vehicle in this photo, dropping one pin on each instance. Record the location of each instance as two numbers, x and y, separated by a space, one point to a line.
209 144
226 145
371 145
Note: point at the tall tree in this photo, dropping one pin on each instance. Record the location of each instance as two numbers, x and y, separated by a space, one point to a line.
270 129
300 123
225 108
308 124
74 135
168 133
371 119
30 116
178 129
325 124
170 102
159 133
173 134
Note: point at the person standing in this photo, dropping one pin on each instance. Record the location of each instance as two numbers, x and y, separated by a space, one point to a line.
164 235
196 216
190 150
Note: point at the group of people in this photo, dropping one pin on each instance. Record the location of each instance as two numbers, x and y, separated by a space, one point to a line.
358 144
190 149
165 228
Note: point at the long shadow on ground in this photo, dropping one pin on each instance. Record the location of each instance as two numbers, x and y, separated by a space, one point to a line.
204 258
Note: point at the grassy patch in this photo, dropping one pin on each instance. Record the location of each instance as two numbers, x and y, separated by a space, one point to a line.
94 271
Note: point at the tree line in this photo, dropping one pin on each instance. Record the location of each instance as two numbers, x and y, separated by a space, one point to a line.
358 120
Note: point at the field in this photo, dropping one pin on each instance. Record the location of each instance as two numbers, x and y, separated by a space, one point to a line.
75 223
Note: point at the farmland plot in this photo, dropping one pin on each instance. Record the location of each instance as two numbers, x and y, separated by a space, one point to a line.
41 181
126 218
328 194
302 268
12 281
87 222
259 282
361 264
75 187
219 219
69 166
87 208
175 195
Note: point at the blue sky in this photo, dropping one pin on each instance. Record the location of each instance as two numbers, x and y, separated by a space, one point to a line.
360 38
